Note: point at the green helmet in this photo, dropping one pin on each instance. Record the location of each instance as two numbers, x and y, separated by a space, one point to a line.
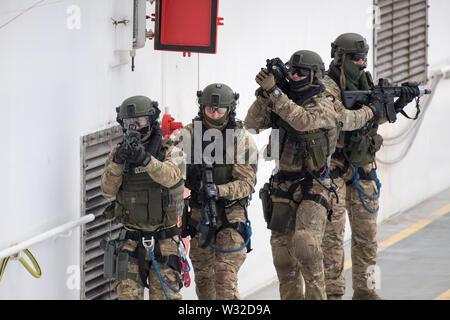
348 43
308 60
137 106
218 94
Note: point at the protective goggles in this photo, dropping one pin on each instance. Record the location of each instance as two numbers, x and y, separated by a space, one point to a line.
221 110
358 56
136 123
301 72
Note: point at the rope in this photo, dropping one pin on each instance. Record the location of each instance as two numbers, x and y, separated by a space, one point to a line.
361 191
162 281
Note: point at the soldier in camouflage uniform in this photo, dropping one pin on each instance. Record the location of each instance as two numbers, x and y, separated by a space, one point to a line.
217 253
352 170
146 174
300 193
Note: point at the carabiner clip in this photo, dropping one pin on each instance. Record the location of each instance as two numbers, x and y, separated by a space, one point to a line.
150 246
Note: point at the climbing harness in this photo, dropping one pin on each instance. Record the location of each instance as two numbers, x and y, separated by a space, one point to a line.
150 245
247 231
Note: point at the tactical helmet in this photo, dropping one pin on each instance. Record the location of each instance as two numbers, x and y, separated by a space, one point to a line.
138 106
348 43
308 60
218 94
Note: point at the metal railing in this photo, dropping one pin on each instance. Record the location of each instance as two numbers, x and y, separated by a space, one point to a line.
45 235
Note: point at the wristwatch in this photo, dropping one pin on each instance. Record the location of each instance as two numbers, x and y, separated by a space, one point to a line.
276 92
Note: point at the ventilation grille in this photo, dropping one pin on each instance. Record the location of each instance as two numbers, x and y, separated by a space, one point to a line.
95 149
401 40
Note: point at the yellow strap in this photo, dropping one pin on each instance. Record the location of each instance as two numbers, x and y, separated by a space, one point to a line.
37 272
130 229
3 266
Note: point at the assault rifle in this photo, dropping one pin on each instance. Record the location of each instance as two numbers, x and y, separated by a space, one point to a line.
350 98
131 139
209 205
280 71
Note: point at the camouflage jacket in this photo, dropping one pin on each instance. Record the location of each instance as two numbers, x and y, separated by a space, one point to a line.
167 172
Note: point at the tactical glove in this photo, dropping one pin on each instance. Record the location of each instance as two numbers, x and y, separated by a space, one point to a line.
139 156
376 105
409 91
121 154
266 80
209 191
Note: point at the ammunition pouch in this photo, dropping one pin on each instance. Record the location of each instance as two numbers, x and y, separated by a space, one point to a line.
283 215
115 261
361 148
313 148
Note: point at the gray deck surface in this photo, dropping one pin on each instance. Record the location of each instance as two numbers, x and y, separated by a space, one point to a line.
416 267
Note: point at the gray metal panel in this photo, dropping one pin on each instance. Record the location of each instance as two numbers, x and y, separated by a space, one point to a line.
400 52
95 148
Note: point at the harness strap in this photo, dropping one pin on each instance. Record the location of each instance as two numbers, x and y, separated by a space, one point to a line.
320 200
173 261
306 182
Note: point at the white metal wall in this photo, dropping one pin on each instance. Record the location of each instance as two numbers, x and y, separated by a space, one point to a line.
58 84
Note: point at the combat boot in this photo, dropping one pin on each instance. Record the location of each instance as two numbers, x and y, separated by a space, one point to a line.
334 297
359 294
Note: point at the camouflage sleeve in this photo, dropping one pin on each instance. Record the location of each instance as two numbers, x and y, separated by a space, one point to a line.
244 171
111 179
320 115
170 171
352 119
258 115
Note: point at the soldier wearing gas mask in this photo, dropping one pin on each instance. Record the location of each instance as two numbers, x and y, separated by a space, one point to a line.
221 175
300 195
353 171
146 174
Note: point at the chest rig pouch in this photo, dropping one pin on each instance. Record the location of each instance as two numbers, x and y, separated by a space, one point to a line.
361 145
313 149
144 204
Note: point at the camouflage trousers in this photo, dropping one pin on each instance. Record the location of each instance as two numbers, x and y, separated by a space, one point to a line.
216 273
299 253
130 289
287 266
363 239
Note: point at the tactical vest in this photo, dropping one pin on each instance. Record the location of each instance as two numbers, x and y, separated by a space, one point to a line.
311 149
223 173
360 146
144 204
